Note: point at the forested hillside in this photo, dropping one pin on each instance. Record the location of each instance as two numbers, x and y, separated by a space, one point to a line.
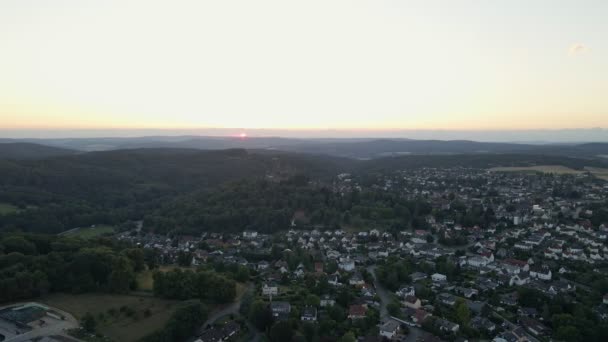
202 190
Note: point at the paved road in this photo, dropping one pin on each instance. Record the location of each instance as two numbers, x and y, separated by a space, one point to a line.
383 293
385 298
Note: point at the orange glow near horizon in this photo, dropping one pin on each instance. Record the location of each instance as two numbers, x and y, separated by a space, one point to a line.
364 65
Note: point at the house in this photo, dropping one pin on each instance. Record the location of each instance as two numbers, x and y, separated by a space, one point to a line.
447 299
219 334
250 234
318 267
326 300
412 302
447 326
406 291
416 276
420 316
389 329
483 324
270 289
356 280
346 264
541 272
262 265
534 326
477 261
438 277
467 292
357 311
333 280
280 310
520 279
309 314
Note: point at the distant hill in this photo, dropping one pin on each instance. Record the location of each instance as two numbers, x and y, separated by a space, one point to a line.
25 151
350 148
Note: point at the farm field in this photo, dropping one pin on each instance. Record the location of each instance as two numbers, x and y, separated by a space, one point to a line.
6 209
119 317
557 169
91 232
601 173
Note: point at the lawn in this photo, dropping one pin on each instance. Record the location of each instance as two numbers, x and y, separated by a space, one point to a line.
6 209
557 169
147 314
91 232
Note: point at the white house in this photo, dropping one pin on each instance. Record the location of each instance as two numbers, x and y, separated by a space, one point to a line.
542 272
346 264
326 300
250 234
438 277
270 289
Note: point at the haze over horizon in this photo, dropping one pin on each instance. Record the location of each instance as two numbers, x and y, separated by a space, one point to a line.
493 71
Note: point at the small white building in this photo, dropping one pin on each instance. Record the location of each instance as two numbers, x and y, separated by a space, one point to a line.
438 277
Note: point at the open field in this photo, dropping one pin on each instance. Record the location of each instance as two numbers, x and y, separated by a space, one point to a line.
117 324
6 209
91 232
601 173
557 169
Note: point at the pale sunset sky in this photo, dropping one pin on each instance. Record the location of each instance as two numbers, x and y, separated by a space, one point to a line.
453 64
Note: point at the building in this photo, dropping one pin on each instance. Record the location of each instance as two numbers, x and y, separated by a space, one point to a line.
412 302
270 289
438 277
309 314
357 311
389 329
280 310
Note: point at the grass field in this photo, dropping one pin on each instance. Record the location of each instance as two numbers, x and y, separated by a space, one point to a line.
90 232
6 209
598 172
557 169
117 325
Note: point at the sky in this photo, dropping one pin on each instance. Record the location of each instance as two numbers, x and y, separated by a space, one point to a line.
365 66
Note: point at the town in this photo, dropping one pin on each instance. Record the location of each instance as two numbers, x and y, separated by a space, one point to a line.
502 256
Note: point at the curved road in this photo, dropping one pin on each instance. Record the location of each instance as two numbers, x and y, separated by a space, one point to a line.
234 309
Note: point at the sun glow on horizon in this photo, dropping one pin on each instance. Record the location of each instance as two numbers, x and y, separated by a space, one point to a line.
362 65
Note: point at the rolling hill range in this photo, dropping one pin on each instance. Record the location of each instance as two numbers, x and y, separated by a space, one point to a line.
351 148
24 150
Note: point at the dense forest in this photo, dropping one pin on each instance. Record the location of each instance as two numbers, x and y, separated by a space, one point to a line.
203 190
32 265
270 206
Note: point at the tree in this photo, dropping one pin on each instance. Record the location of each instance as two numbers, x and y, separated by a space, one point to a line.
312 300
122 275
136 255
567 333
18 244
260 315
88 322
348 337
463 315
184 258
394 308
281 332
